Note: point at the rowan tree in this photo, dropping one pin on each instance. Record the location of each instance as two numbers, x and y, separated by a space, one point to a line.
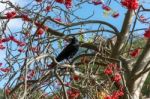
112 62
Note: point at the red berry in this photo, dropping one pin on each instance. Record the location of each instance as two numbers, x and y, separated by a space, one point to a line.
135 52
11 15
147 33
48 8
40 31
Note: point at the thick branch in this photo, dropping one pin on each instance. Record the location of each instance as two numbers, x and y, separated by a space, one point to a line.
142 60
123 35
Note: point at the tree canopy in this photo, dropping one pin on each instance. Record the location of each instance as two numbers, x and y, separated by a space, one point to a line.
113 57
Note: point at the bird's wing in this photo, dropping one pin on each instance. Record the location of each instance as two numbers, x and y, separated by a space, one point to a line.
75 50
69 51
65 53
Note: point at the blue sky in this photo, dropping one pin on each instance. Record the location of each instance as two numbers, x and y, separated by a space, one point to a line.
13 25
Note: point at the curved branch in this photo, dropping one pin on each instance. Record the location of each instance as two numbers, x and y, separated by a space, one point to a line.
96 22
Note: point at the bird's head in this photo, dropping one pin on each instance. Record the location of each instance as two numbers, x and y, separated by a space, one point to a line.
74 40
71 39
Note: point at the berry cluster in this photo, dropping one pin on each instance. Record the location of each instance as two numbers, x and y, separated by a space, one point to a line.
130 4
68 3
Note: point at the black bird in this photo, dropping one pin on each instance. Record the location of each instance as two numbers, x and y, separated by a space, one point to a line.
68 52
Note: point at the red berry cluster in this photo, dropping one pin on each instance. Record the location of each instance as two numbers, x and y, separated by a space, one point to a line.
108 71
115 95
147 33
25 17
68 3
73 93
19 43
10 15
97 2
112 70
105 7
76 77
2 47
135 52
11 38
117 77
41 28
130 4
48 8
6 70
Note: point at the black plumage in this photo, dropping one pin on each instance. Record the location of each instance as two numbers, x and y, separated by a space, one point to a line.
69 51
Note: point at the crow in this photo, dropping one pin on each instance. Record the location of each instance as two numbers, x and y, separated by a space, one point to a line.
68 52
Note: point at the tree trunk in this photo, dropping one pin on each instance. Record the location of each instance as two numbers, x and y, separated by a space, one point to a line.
135 86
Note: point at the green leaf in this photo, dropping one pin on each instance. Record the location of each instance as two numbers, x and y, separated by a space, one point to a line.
81 38
60 44
107 13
